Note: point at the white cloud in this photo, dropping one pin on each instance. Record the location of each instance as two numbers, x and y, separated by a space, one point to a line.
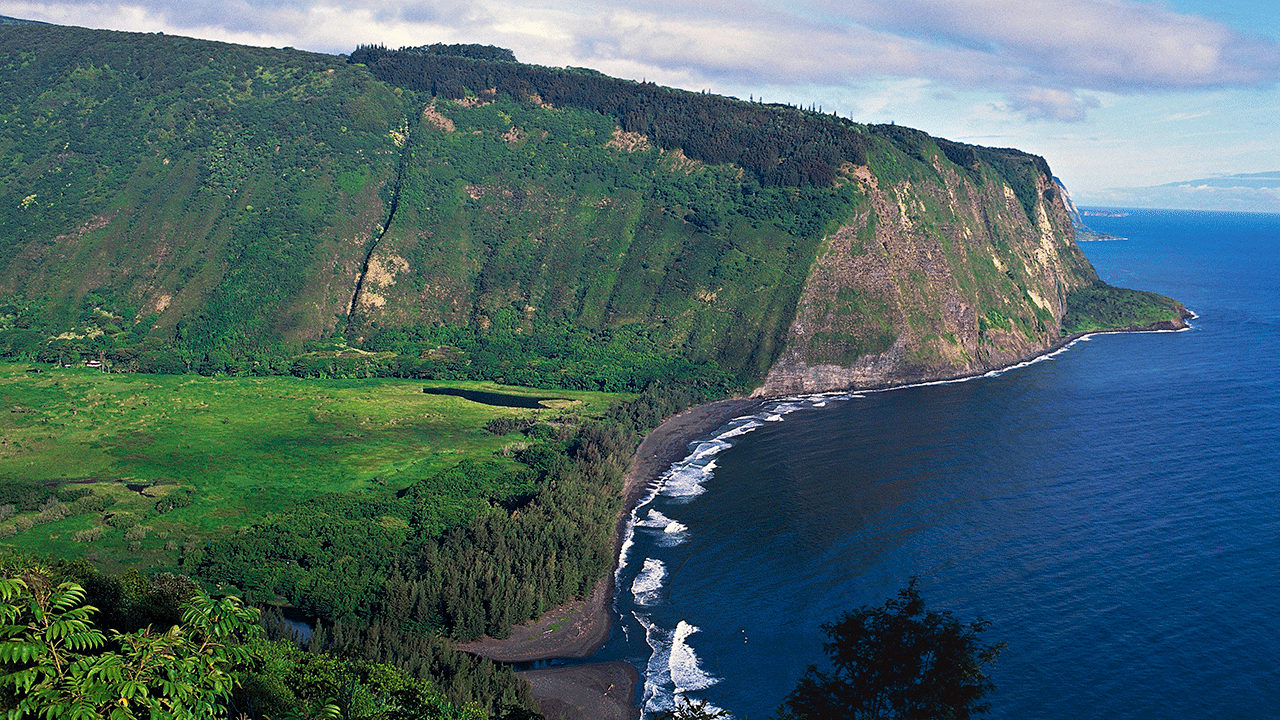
1249 193
1049 104
1176 117
1047 59
1096 44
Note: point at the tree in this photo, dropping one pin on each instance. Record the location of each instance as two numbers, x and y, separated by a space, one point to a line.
899 661
57 664
685 710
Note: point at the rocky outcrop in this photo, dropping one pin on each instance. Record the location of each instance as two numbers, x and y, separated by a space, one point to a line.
938 275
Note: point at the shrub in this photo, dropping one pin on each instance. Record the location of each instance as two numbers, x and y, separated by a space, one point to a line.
89 535
92 503
52 510
121 519
173 501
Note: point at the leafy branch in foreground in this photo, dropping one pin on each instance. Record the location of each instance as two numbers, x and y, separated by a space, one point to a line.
56 664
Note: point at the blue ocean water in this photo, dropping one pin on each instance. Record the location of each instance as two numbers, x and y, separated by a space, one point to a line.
1113 510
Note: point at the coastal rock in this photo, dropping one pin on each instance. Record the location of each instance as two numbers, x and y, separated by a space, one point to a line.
938 276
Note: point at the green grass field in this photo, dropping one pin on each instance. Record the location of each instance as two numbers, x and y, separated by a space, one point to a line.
235 448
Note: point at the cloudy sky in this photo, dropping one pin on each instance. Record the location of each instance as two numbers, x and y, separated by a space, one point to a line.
1114 93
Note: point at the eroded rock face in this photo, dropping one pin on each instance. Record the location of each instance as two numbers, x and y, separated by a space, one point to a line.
934 277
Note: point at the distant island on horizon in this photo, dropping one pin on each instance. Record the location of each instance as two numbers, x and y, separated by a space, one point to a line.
1243 192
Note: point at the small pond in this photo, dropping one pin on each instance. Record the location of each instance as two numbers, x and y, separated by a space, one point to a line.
491 398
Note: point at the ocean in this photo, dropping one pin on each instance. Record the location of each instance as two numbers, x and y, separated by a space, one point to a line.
1113 510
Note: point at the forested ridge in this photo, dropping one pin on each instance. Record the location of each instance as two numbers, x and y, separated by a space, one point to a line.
187 206
779 144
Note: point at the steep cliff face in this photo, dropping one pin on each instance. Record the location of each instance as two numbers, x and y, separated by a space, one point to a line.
176 205
941 273
185 189
512 215
930 268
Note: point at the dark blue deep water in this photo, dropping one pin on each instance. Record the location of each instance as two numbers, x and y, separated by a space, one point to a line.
1114 511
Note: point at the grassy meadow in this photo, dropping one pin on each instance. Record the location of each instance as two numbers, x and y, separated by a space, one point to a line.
138 469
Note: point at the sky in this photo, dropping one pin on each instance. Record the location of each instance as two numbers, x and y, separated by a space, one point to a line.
1115 94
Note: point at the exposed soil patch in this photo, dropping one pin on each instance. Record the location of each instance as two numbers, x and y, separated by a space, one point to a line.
627 141
433 116
600 691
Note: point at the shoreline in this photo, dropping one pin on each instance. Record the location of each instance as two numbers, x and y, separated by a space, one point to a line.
578 629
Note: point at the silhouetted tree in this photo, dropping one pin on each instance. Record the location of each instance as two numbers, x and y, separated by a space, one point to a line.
898 661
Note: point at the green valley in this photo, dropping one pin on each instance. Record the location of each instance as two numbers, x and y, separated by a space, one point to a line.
158 465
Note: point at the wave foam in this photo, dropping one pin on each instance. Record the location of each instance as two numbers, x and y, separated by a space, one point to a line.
646 589
686 672
654 519
673 532
673 669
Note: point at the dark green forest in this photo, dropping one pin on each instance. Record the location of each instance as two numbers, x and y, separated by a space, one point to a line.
390 580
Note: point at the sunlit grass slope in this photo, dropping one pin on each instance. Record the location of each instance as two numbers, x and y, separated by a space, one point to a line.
223 452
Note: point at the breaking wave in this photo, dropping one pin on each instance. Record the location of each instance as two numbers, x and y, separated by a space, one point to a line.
646 589
674 668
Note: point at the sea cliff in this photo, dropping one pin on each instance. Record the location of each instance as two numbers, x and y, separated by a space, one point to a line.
185 206
943 274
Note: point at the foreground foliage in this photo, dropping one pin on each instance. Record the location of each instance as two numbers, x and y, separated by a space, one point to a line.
57 663
899 661
201 658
